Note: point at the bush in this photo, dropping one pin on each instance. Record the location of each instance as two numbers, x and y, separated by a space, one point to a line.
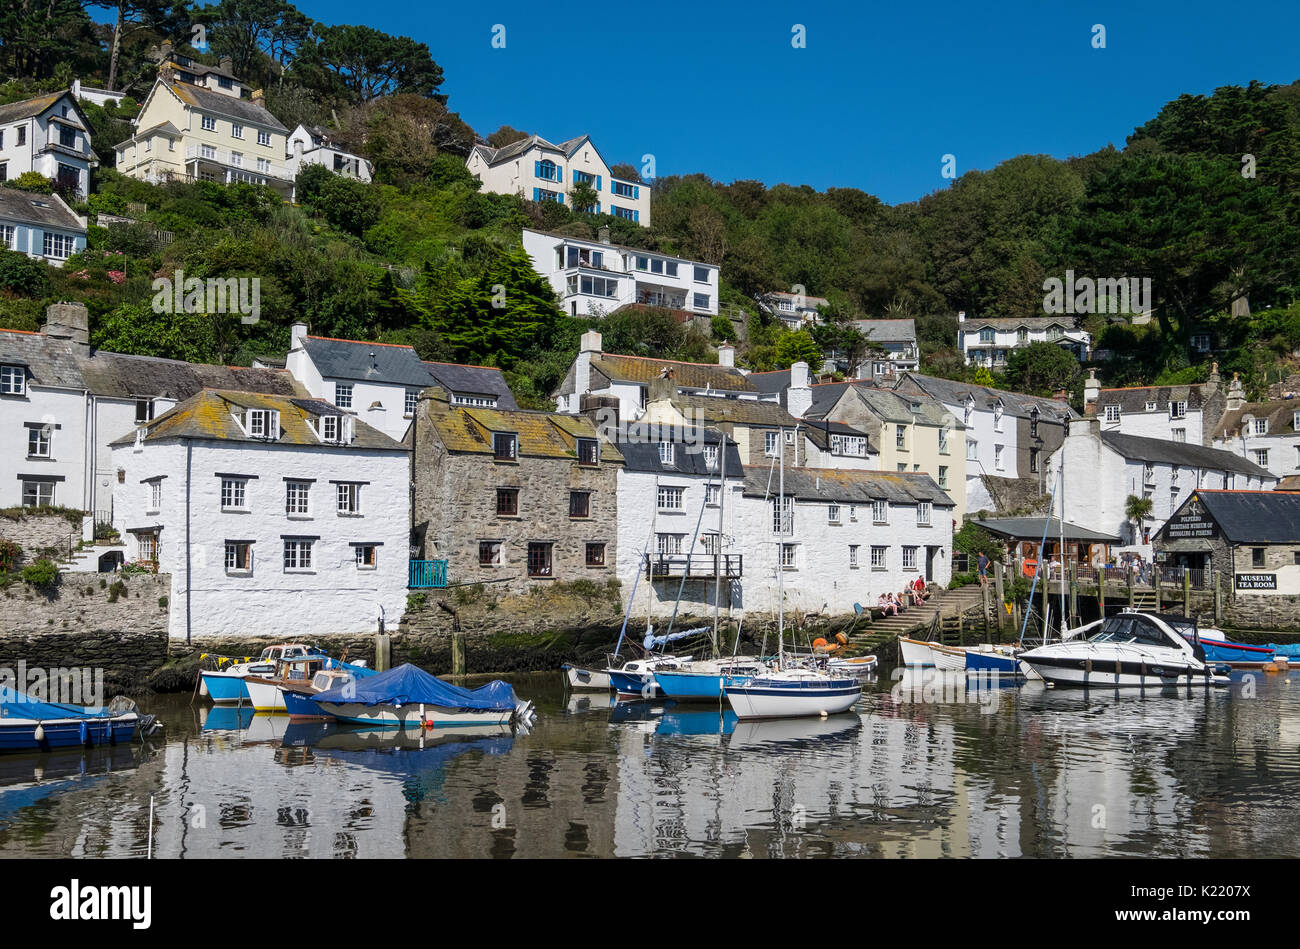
42 574
162 602
21 275
117 589
10 554
415 601
32 181
139 567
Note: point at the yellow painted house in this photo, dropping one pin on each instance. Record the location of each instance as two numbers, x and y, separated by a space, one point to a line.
197 125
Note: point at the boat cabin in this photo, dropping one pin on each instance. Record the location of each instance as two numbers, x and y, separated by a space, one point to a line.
1141 630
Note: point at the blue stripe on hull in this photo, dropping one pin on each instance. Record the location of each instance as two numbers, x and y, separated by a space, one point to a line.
301 706
69 735
988 662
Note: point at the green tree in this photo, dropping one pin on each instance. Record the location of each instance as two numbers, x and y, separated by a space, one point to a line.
365 63
165 18
1042 368
798 346
1137 510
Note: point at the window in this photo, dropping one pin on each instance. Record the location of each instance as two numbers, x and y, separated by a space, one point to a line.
987 335
782 515
700 301
943 477
365 556
264 165
670 498
67 137
329 428
38 441
22 135
1033 423
143 410
943 441
579 504
833 514
909 558
997 457
853 556
207 151
595 555
507 502
296 496
788 553
1055 332
489 553
263 138
58 246
1151 406
711 457
505 446
900 437
225 83
588 452
923 514
347 499
880 512
853 512
1033 460
1257 556
147 543
539 560
668 544
233 493
208 123
1112 413
1149 473
667 453
972 450
769 444
1022 336
263 423
7 231
155 495
878 558
541 194
997 419
239 556
237 159
598 286
1179 434
343 395
547 170
1261 457
408 403
630 215
236 130
1201 342
701 274
1178 410
297 554
1259 426
38 493
623 190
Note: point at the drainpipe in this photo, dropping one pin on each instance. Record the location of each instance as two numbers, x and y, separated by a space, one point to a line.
189 565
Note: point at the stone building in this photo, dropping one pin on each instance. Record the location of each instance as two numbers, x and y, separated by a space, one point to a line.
1187 413
1267 433
1250 543
512 497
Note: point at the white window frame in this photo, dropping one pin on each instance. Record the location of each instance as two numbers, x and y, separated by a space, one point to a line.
923 513
155 495
234 494
667 453
232 558
40 441
879 557
43 492
343 395
770 444
358 552
832 514
670 497
853 556
909 557
789 556
409 401
298 555
347 498
1112 413
297 498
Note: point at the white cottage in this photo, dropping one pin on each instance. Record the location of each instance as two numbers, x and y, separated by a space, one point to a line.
273 515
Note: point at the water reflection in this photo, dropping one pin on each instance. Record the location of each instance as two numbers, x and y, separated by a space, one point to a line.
1019 770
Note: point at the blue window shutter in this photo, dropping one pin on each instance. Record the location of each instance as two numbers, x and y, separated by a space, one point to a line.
534 194
537 168
598 182
636 216
559 174
636 191
560 198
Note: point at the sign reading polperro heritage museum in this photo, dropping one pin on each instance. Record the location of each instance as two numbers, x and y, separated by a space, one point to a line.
1257 581
1191 521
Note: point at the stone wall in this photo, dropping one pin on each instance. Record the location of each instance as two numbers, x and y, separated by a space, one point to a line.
77 625
36 532
1262 612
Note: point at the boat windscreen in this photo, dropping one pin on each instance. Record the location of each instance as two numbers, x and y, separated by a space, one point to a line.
1131 628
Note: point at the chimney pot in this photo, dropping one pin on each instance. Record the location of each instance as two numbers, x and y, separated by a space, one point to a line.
727 355
70 321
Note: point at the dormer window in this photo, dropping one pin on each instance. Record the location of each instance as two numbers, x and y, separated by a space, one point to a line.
667 453
505 446
262 423
588 452
997 417
13 380
1178 410
1259 426
1151 406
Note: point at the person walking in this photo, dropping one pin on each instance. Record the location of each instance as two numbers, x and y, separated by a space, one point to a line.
984 569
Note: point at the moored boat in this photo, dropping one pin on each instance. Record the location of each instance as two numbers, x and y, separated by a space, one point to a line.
988 657
790 693
297 698
948 658
915 652
409 697
637 676
265 691
586 680
858 665
225 686
29 724
703 681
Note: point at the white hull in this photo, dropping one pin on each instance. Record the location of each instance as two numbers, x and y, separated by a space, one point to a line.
948 658
860 665
264 696
749 705
1098 678
915 652
588 680
413 716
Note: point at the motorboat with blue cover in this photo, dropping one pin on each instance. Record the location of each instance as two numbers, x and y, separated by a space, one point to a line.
29 724
409 697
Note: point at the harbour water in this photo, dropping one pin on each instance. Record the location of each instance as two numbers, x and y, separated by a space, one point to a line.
930 770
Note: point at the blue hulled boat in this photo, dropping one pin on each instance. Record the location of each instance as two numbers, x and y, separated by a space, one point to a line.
28 724
407 696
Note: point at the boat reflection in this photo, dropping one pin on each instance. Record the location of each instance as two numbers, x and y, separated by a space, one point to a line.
26 779
751 733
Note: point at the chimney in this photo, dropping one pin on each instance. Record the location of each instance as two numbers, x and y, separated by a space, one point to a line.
1061 396
799 396
1236 394
602 410
1091 393
165 51
727 355
297 335
259 98
603 233
227 63
297 148
70 321
961 316
588 347
1212 384
76 88
664 386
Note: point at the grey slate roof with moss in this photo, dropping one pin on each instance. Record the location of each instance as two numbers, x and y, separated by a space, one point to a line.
837 485
1015 404
1255 517
1139 448
45 210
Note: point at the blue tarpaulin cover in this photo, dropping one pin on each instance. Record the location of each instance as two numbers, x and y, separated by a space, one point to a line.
411 685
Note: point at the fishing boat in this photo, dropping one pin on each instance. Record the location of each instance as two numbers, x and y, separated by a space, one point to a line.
1129 649
989 657
264 690
409 697
297 697
915 652
858 665
29 724
225 686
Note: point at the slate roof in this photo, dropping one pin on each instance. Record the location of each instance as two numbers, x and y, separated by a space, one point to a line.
506 152
892 406
46 210
122 376
367 362
49 361
210 415
1180 453
233 106
691 375
28 108
1279 412
1135 399
472 380
771 383
717 409
688 459
1254 517
820 432
887 331
1015 404
1032 527
540 434
1066 321
849 487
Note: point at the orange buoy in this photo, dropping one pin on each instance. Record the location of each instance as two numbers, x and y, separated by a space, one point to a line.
841 639
1270 667
819 641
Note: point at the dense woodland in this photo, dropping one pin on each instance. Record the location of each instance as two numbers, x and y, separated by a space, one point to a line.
1204 199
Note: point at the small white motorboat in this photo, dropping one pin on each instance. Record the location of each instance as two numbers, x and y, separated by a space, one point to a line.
857 665
586 680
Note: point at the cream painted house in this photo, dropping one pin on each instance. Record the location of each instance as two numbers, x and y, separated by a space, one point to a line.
541 171
206 131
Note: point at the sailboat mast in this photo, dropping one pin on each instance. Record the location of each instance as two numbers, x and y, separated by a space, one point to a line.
1061 491
780 554
718 557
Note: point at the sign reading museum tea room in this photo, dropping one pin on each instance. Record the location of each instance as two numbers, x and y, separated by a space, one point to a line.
1257 581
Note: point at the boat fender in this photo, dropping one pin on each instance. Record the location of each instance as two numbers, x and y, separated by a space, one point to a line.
203 688
39 734
85 734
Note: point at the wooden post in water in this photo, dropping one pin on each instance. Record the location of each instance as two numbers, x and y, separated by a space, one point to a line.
383 652
1155 578
1074 595
457 653
1218 602
1101 590
1130 572
1187 592
997 587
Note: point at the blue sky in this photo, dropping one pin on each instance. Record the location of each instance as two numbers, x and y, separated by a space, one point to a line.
879 95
